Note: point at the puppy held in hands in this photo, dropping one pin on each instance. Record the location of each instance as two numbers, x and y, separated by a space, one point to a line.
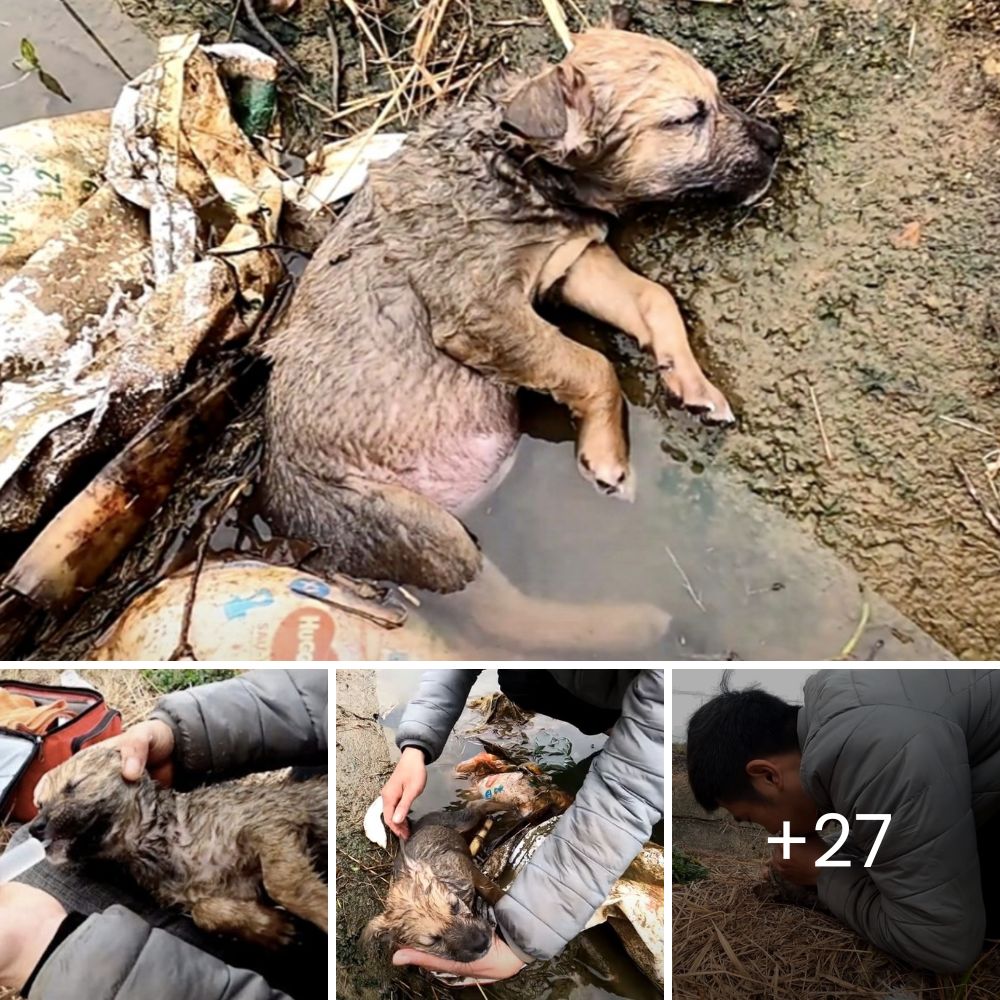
235 856
430 904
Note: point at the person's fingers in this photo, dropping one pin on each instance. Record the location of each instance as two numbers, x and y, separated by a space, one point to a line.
133 746
391 792
403 807
133 764
409 956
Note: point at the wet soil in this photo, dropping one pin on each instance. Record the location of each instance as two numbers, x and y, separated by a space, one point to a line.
866 279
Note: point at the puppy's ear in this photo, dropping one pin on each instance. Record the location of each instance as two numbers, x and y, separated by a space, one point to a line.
376 932
552 111
618 17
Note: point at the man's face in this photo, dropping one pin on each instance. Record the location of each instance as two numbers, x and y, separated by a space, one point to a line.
779 796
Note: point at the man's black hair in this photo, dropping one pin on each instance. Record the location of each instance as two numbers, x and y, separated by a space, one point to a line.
729 731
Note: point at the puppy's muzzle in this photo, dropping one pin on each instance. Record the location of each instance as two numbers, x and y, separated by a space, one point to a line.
767 137
38 828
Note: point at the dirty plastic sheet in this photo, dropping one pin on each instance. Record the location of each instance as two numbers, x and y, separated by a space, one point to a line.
174 143
97 328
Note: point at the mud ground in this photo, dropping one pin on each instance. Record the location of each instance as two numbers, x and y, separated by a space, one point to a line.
869 274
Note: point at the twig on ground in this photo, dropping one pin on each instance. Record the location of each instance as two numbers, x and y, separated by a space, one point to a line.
184 650
991 518
684 578
770 85
334 65
822 426
279 49
555 14
866 611
967 424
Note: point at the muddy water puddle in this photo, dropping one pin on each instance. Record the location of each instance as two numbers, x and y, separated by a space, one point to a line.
594 966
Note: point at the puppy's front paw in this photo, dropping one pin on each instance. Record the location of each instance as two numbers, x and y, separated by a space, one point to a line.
602 459
272 932
695 393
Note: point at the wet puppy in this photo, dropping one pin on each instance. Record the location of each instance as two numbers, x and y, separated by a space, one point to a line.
391 406
430 903
228 854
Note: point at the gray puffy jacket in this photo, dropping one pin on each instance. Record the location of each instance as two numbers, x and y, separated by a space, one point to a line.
923 746
599 835
263 720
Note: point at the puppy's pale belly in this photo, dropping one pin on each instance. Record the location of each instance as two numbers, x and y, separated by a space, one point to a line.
461 472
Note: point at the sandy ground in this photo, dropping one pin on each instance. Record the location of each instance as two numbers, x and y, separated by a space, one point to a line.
362 766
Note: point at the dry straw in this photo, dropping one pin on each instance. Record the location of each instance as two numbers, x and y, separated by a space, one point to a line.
729 943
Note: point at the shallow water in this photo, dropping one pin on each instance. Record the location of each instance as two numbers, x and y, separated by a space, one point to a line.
594 967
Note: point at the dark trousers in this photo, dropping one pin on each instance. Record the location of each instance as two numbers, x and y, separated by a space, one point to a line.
537 691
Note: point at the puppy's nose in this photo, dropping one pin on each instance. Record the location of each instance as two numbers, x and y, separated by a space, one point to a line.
37 827
766 136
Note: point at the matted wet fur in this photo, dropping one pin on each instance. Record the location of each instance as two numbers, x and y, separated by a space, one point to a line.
391 406
430 903
229 854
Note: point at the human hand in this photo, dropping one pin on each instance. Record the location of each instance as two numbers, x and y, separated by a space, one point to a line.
404 785
498 963
146 745
800 867
29 919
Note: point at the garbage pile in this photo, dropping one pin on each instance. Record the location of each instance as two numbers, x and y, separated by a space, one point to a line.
140 264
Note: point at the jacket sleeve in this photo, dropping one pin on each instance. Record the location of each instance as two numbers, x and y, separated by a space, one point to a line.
621 799
259 721
921 899
115 955
432 713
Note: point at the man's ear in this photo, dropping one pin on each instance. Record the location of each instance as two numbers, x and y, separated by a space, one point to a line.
552 111
767 771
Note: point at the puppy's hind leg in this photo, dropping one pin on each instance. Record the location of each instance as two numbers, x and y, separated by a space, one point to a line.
542 626
292 882
382 531
245 918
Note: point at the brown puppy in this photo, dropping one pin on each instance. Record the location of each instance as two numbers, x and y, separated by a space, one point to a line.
430 903
391 407
214 851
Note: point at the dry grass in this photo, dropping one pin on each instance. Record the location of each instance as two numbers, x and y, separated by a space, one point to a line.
429 61
728 944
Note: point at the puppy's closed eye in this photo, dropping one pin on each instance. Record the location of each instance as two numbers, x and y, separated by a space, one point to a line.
692 113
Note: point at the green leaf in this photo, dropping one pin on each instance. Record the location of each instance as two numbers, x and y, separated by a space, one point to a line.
28 53
51 83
